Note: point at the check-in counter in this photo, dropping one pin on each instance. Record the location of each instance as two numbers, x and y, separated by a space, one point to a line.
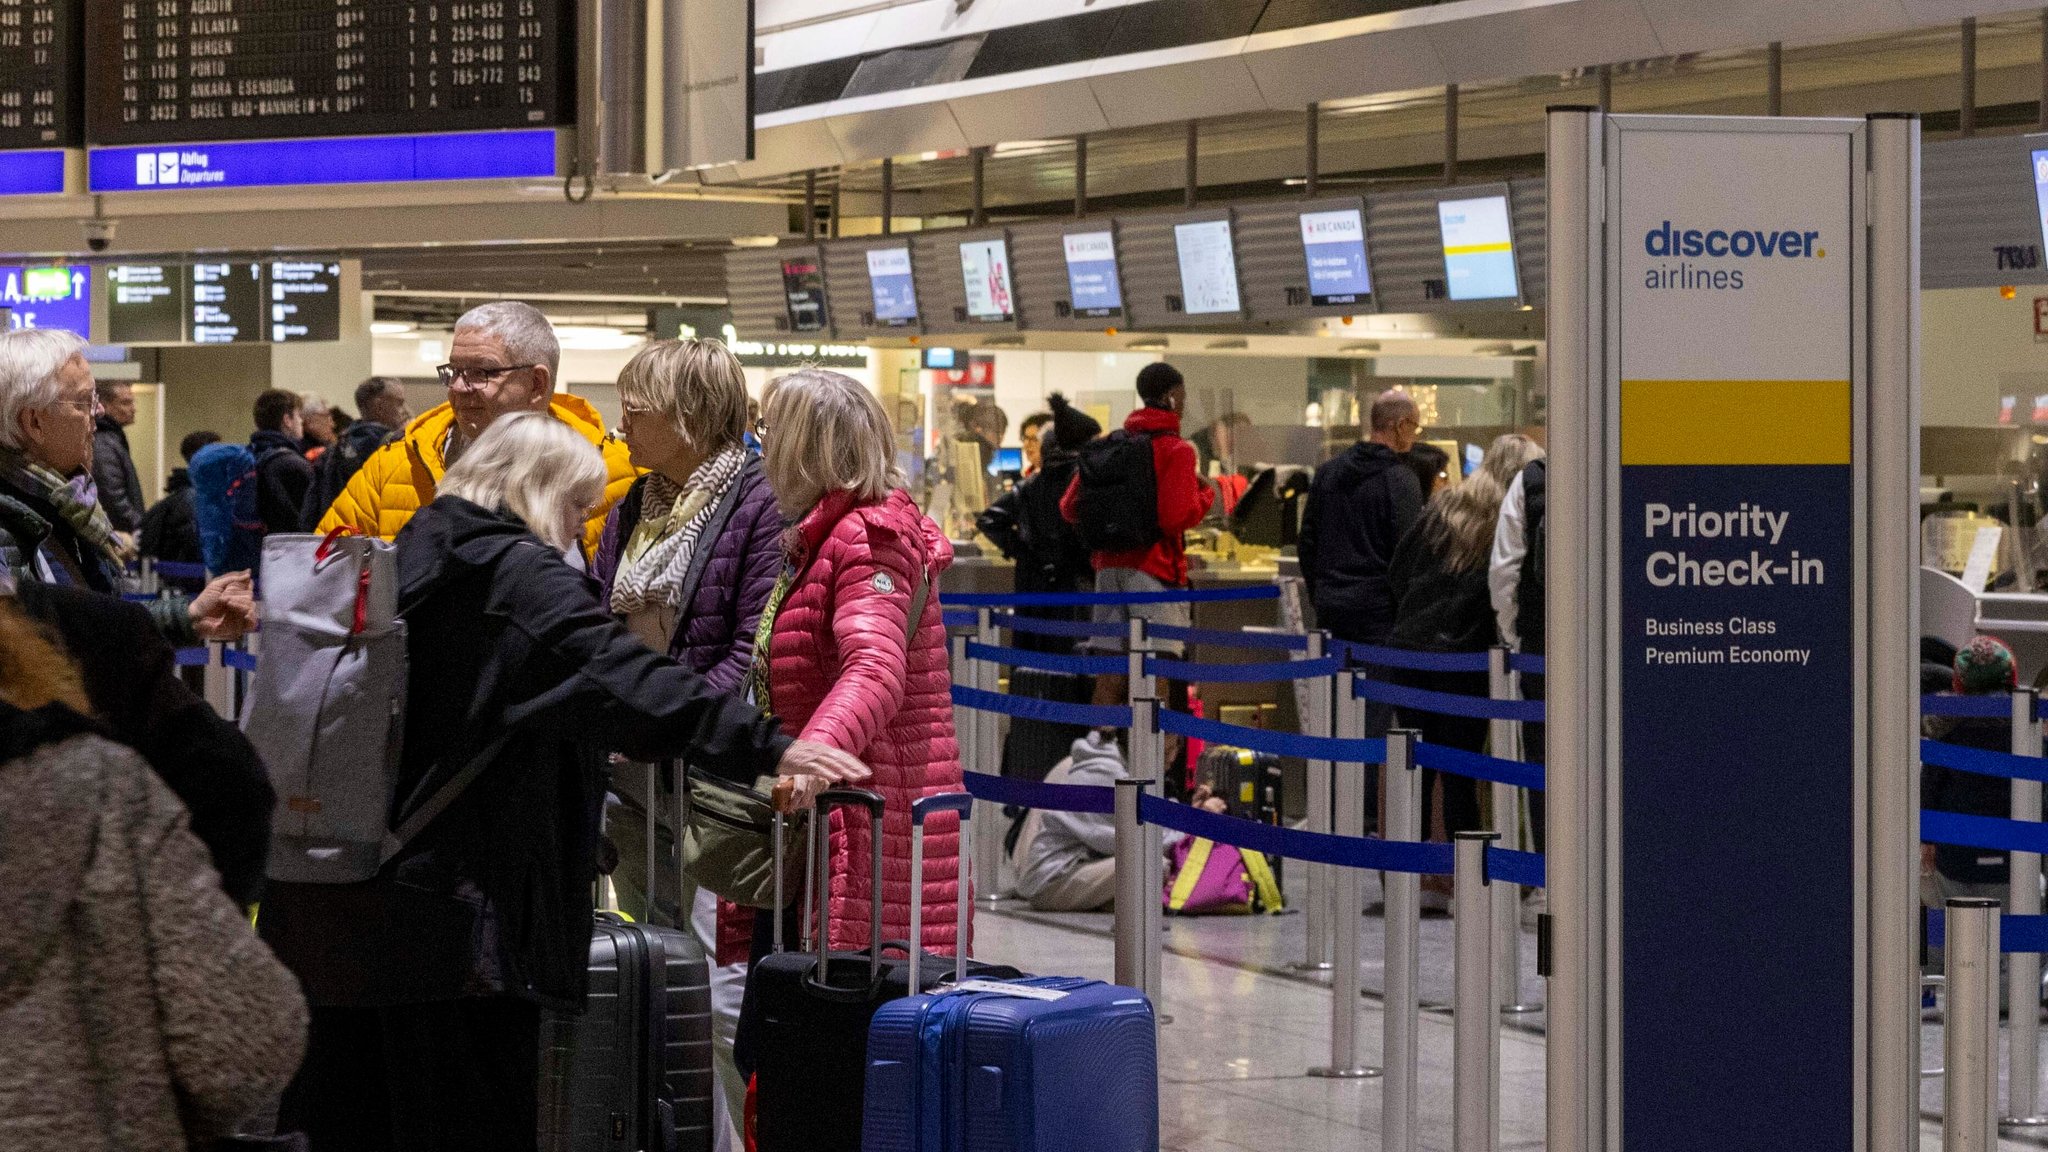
1950 611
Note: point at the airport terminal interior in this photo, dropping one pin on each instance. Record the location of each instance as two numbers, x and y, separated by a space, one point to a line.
1761 284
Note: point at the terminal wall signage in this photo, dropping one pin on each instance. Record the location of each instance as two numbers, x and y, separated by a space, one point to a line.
342 160
58 296
1734 306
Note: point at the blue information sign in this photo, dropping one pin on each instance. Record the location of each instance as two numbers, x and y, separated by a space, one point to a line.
35 173
1334 245
1091 274
895 292
338 160
57 296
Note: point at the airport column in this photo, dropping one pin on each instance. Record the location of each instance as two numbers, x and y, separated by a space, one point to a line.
1734 414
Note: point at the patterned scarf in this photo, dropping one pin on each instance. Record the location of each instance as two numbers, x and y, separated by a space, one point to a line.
656 559
77 500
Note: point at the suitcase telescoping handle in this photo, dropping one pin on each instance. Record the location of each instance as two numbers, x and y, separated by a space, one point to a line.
821 880
963 804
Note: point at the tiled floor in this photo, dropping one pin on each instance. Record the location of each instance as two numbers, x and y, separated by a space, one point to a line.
1245 1029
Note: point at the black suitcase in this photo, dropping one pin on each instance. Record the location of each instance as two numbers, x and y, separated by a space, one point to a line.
803 1036
632 1071
1032 747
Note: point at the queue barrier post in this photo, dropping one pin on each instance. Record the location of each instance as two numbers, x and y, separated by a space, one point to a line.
1317 877
1344 903
1505 738
217 680
1475 1007
988 744
1148 762
1401 820
149 583
1131 894
2023 969
1970 1044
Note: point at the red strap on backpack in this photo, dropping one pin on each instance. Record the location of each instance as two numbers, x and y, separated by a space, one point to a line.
325 551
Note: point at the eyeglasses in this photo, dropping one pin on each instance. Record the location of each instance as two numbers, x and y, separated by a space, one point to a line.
90 405
451 376
761 430
634 412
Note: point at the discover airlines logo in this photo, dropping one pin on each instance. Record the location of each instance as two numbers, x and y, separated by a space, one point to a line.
1723 245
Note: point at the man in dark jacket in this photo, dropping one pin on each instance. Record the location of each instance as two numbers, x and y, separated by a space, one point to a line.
1026 523
283 474
113 468
1359 507
132 681
381 400
170 529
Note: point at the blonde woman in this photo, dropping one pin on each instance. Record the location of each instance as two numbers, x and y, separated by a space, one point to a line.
1438 580
843 663
428 980
687 561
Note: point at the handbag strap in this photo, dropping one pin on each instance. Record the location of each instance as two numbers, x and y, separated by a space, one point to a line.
443 796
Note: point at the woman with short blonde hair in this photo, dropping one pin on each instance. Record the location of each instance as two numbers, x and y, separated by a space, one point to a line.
855 653
444 959
687 561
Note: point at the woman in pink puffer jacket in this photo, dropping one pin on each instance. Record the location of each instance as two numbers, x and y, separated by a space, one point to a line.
838 667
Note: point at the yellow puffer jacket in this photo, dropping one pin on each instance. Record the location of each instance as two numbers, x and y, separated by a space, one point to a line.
400 478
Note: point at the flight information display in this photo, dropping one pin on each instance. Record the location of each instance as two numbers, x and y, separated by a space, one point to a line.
38 71
239 302
894 290
173 71
985 269
1479 248
1208 267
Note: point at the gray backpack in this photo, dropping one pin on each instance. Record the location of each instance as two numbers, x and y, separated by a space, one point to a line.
326 709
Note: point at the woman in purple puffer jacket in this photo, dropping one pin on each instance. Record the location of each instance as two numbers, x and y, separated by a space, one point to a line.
687 560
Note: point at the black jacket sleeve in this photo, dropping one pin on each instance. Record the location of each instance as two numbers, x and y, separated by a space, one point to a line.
619 694
1404 492
1308 544
1000 523
132 682
113 473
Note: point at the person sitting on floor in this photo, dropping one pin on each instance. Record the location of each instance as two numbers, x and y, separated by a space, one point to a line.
1068 859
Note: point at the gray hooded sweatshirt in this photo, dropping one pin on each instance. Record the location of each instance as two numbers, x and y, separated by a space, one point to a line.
1056 843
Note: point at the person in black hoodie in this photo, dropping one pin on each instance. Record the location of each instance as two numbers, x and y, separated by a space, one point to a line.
381 400
427 980
283 474
1026 524
1359 507
1983 667
170 529
1439 581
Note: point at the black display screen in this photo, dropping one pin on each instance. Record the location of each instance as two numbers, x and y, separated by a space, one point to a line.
176 71
304 298
227 303
146 304
39 71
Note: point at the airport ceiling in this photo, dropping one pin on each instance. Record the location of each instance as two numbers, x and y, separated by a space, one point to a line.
1383 141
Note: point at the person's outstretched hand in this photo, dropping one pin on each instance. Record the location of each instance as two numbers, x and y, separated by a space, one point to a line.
226 609
809 768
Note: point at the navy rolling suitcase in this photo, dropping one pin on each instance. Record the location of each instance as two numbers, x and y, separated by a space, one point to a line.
632 1071
1037 1064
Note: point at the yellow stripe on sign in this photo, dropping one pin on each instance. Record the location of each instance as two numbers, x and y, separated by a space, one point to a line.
1735 422
1476 249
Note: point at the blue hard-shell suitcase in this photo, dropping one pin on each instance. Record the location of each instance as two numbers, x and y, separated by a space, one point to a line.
998 1071
1031 1064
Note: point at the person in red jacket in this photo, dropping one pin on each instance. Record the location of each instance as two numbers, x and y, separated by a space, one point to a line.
1183 501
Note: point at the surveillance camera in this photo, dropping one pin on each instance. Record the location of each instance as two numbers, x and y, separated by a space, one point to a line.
99 234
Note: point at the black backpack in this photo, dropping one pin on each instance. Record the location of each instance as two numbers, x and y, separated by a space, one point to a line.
1119 498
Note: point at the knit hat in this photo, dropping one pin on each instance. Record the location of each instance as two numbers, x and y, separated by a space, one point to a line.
1985 666
1071 427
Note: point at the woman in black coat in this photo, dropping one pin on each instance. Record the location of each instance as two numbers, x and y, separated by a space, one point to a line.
1438 578
1026 524
427 981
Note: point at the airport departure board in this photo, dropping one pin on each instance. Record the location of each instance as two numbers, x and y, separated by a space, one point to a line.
39 71
189 71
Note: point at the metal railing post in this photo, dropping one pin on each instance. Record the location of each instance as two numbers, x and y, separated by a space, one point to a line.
1317 877
1505 738
217 682
2023 973
1344 901
988 757
1475 1042
1131 894
1401 820
1148 747
1969 1107
151 584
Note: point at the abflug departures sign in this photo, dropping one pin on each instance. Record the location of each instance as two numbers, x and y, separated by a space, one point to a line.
1737 661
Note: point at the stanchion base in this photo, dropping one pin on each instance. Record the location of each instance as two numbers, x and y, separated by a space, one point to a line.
994 898
1344 1073
1311 966
1519 1009
2022 1121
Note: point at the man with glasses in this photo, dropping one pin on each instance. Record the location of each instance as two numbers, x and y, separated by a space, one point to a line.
504 358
